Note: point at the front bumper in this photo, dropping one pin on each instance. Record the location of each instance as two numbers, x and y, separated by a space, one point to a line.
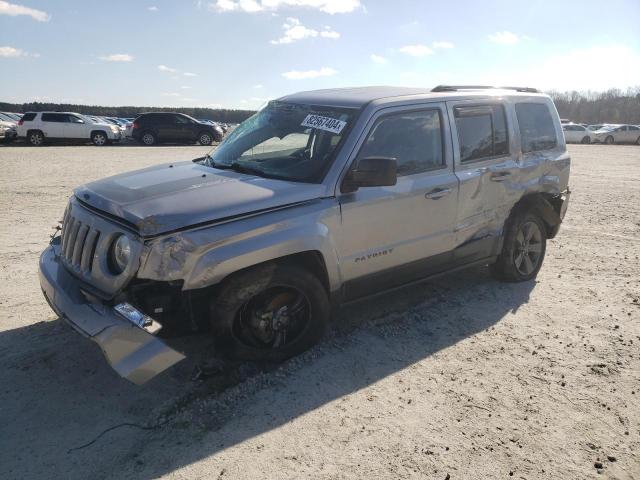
131 351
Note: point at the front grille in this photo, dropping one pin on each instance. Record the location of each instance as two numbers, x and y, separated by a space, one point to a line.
79 242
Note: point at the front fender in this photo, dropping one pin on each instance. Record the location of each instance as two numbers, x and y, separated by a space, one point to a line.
204 257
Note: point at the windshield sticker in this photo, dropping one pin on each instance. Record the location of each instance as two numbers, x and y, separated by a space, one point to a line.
324 123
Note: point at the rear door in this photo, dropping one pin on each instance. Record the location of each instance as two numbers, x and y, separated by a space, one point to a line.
393 235
53 124
486 164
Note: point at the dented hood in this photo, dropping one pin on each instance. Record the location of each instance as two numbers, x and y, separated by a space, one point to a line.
168 197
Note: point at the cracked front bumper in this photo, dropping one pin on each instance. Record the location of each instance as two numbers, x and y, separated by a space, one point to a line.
131 351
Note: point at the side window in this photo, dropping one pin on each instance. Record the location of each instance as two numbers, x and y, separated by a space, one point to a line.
74 119
180 120
537 130
482 132
414 139
28 117
53 117
633 128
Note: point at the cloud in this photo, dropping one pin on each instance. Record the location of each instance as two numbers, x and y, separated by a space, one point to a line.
171 94
418 50
164 68
190 74
442 45
14 10
307 74
185 87
504 38
378 59
254 6
12 52
118 57
153 8
258 86
294 31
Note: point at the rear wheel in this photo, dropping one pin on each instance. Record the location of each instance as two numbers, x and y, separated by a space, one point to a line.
148 138
269 313
525 244
99 139
205 138
638 141
608 140
586 140
35 138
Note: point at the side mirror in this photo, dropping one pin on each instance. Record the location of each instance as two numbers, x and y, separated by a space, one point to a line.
371 172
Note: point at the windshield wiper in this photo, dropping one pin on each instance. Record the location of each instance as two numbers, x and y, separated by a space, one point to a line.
235 166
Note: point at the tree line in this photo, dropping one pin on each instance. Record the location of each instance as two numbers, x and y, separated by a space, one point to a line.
612 106
217 115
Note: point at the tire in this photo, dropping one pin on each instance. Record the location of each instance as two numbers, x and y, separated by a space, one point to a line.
148 139
586 141
525 244
99 139
608 140
35 138
250 315
638 141
205 138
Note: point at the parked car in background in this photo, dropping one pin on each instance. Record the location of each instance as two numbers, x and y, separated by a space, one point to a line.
169 127
574 133
39 127
15 117
617 134
8 131
596 127
320 198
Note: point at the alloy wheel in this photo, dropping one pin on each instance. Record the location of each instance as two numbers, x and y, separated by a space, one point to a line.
528 251
273 318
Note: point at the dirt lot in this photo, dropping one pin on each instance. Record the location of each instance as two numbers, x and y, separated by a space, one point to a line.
460 378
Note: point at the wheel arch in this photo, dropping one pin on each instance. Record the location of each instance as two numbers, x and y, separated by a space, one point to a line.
545 205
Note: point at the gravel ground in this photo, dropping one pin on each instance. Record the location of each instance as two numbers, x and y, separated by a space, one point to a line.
459 378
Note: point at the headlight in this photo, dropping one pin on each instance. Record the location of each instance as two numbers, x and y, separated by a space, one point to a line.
120 254
114 129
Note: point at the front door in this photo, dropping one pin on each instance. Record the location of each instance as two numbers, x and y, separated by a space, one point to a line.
393 235
76 127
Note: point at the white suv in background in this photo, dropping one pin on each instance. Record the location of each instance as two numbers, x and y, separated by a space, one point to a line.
38 127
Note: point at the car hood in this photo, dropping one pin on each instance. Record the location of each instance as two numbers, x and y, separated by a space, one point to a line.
169 197
4 123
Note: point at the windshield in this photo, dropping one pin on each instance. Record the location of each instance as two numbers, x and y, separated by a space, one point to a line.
287 141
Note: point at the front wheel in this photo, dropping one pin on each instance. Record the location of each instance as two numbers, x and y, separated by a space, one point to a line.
638 141
205 138
269 313
99 139
586 140
608 140
525 244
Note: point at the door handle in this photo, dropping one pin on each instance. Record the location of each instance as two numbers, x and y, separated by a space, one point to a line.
437 193
500 176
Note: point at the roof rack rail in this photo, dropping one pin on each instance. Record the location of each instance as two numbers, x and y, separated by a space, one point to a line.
455 88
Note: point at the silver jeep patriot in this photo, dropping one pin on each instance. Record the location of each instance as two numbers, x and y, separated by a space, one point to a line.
320 198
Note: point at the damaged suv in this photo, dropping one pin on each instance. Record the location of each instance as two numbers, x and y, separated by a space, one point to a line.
320 198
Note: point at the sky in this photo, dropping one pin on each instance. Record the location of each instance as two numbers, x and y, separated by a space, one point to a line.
241 53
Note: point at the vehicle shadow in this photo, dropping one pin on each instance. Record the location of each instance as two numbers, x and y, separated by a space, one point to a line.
58 394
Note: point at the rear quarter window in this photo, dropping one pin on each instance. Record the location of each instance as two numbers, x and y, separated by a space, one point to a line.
537 130
28 117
